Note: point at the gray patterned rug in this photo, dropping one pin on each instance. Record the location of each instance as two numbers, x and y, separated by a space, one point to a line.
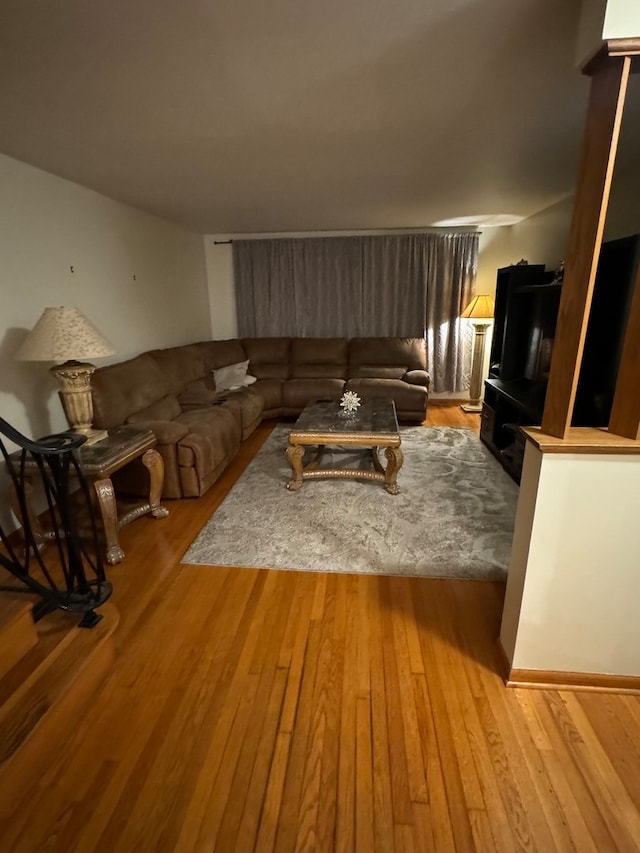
453 517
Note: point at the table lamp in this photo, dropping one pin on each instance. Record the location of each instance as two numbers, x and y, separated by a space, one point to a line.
480 311
64 334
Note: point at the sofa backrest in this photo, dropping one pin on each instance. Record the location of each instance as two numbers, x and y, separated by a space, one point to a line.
319 358
120 390
221 353
387 358
179 365
268 357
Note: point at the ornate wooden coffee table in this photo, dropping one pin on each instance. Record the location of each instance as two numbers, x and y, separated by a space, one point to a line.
374 425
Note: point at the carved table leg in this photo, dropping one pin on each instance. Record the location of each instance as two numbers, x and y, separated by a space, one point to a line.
109 513
295 453
395 458
153 462
376 460
317 459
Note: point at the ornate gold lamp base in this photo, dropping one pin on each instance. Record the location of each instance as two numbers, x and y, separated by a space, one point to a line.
75 396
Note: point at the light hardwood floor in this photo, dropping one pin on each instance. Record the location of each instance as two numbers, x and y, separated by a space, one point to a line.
262 710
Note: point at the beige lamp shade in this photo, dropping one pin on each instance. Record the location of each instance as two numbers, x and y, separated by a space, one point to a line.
62 334
480 308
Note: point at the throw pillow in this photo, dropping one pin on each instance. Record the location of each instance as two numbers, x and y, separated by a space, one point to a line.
231 376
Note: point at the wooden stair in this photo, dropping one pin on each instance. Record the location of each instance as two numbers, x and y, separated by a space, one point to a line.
17 631
48 674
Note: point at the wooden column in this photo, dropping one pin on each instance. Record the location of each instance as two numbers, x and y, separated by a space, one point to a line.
604 116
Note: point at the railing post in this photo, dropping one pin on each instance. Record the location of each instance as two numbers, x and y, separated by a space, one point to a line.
60 562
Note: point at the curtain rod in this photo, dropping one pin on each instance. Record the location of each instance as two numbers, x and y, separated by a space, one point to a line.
409 234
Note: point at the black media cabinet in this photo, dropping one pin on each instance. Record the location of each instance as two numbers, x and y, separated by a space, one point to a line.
527 301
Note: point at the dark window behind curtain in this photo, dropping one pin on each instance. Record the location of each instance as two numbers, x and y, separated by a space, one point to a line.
409 285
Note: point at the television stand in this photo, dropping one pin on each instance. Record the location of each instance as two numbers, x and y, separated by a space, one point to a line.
527 305
508 406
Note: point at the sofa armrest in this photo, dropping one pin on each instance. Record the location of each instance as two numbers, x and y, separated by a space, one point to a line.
417 377
166 432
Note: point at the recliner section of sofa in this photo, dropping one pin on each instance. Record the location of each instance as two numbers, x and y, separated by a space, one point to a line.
391 367
196 442
199 429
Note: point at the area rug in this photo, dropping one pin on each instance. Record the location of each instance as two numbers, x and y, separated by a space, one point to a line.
453 517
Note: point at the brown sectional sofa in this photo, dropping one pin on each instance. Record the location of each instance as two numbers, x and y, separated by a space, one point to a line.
199 429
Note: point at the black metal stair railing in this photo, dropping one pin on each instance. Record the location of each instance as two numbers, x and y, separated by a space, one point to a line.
63 565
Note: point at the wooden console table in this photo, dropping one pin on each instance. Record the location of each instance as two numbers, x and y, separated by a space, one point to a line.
100 461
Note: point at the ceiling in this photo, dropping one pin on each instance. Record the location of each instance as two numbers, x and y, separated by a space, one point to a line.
237 116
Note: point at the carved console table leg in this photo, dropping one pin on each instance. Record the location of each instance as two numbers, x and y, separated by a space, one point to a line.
376 460
395 458
109 512
295 453
153 462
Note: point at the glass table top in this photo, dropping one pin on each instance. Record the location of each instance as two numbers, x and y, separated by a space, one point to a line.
375 415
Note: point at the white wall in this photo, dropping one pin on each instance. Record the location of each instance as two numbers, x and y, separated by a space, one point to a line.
591 24
622 19
605 19
573 582
47 226
222 300
541 239
494 251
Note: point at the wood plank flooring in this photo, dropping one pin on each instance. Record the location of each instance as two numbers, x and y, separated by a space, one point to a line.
262 710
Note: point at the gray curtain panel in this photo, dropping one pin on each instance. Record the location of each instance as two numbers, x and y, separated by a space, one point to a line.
453 264
409 285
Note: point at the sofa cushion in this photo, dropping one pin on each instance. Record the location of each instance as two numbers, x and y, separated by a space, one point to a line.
319 358
296 393
180 365
220 353
166 432
269 371
213 434
248 405
370 371
271 392
408 398
198 395
409 353
119 390
319 371
318 350
166 409
268 357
